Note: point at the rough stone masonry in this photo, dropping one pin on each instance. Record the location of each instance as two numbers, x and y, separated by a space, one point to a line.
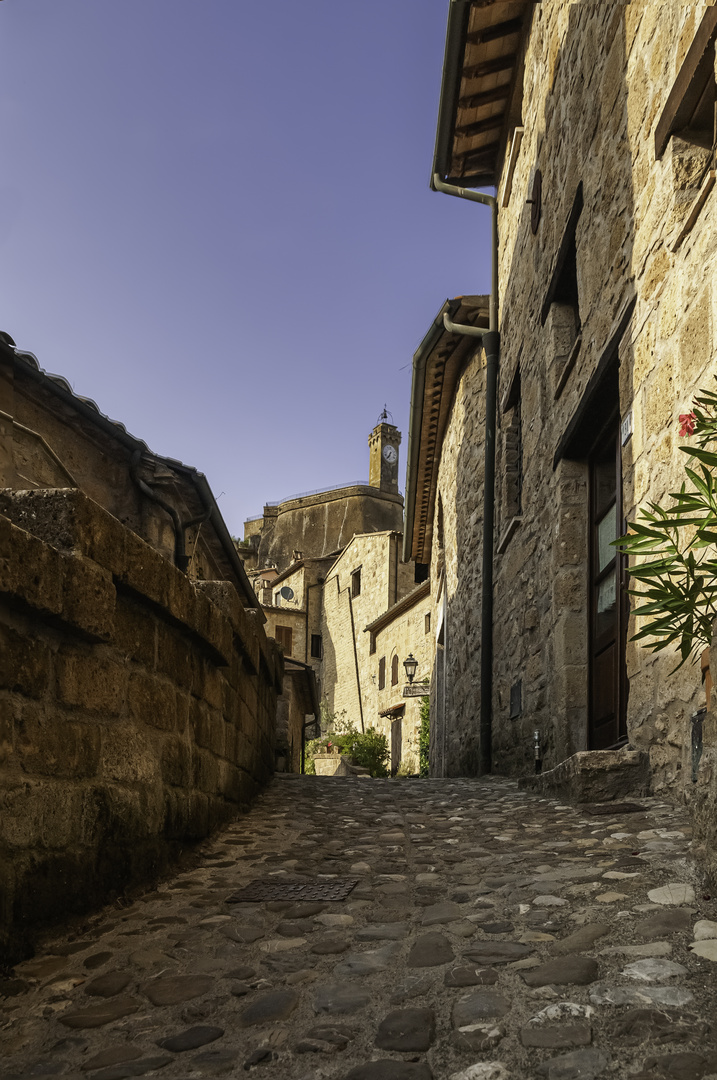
491 935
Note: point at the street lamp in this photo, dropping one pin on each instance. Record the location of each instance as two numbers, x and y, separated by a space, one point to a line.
410 664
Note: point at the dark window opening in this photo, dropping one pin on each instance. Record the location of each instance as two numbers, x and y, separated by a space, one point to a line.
371 644
427 623
356 583
516 699
394 671
283 636
420 573
690 108
316 646
382 673
513 452
561 307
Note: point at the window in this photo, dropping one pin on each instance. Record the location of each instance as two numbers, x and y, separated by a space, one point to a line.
371 644
356 583
283 636
382 673
690 108
512 452
427 623
316 646
561 307
420 573
394 671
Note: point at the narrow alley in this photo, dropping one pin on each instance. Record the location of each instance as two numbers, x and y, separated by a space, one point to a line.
490 935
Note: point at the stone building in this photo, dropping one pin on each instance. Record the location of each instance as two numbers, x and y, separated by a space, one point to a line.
320 523
318 600
366 580
138 688
403 631
594 124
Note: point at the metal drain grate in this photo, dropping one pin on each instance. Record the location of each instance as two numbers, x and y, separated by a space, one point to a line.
259 891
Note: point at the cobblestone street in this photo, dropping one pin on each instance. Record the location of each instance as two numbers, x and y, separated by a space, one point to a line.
491 934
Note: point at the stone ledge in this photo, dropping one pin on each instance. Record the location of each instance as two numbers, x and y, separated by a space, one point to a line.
63 527
337 765
594 776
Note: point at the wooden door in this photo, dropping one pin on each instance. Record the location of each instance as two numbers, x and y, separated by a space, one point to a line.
396 744
607 609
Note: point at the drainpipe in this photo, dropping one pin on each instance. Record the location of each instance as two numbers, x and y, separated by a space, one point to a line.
181 559
491 344
487 200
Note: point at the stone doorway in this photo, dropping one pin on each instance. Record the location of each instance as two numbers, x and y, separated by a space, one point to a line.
607 676
396 743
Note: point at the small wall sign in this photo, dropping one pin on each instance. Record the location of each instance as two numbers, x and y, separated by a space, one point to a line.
626 428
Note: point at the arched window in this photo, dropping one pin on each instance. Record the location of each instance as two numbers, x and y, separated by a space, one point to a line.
394 671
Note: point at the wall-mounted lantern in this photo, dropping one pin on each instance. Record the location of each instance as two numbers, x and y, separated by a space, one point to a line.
410 664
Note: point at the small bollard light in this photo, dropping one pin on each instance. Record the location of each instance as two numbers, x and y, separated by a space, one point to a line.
536 750
410 664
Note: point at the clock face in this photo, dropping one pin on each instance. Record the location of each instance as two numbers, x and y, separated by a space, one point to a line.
390 455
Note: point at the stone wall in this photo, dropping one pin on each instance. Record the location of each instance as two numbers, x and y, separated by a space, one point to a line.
322 524
410 631
136 709
456 581
56 439
348 666
596 79
289 619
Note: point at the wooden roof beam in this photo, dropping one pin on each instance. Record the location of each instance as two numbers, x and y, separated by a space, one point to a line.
479 127
493 33
479 154
490 67
484 97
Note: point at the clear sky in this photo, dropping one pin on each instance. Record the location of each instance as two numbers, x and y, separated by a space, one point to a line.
215 221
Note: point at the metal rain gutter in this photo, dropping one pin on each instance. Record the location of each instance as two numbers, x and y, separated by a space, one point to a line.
458 18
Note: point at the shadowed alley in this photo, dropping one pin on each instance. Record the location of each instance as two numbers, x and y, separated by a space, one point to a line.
490 934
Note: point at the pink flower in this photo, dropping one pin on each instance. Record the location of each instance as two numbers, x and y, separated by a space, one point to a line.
687 421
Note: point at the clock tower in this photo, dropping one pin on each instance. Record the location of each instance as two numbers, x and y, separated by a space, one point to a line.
383 443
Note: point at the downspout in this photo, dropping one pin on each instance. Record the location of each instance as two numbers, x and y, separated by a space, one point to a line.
491 344
307 634
181 559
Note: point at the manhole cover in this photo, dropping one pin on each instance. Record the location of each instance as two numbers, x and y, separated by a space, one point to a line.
258 891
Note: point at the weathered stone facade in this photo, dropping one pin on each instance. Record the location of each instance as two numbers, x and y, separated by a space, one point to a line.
322 523
366 580
318 606
296 708
50 438
607 314
394 708
136 708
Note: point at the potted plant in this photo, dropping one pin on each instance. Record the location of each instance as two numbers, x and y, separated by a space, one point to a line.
677 549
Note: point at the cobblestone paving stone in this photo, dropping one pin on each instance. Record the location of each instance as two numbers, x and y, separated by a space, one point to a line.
492 935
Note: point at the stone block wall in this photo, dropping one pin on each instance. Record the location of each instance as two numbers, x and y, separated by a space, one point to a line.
596 79
348 667
321 524
409 632
456 580
136 709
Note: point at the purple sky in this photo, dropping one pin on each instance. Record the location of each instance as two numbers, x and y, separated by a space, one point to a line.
215 220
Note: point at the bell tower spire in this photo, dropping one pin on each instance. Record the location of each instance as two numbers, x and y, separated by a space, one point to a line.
384 442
